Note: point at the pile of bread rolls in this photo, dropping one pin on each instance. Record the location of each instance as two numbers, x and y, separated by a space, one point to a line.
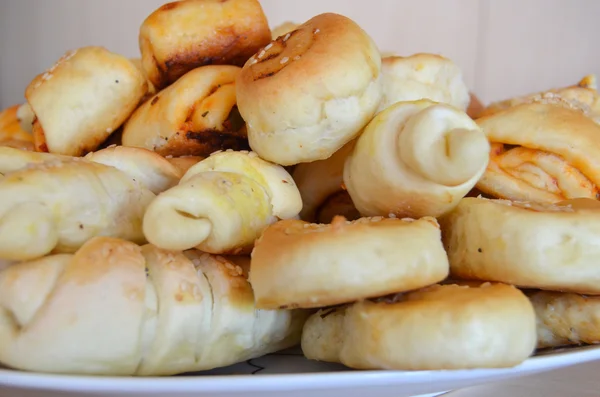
240 190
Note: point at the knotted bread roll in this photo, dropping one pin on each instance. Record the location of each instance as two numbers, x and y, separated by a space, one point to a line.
82 99
59 204
195 116
298 264
415 159
553 247
436 328
222 204
423 76
12 133
183 35
541 152
150 312
311 91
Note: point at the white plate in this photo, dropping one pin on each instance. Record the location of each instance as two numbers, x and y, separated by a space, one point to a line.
285 374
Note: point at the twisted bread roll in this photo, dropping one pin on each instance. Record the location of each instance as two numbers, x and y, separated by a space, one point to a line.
321 186
82 99
283 29
151 312
311 91
196 116
57 205
440 327
530 245
183 35
566 319
415 159
298 264
423 76
12 133
583 97
222 204
541 152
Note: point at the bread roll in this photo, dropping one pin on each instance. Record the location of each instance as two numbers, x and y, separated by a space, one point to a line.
443 327
222 205
311 91
298 264
82 99
319 181
184 163
530 245
283 29
582 97
415 159
151 88
12 133
423 76
565 319
193 117
57 205
541 152
183 35
150 312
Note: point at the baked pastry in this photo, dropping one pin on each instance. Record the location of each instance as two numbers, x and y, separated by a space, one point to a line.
442 327
299 264
583 97
542 246
151 312
184 163
82 99
55 206
222 205
195 116
283 29
423 76
12 133
475 108
183 35
541 152
321 186
565 318
311 91
415 159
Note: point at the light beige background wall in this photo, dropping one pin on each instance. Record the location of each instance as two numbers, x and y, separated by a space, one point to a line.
505 47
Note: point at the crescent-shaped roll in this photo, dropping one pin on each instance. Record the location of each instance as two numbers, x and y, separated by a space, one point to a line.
299 264
583 97
195 116
542 246
423 76
183 35
321 186
57 205
442 327
150 312
222 204
284 28
12 133
541 152
82 99
311 91
565 319
415 159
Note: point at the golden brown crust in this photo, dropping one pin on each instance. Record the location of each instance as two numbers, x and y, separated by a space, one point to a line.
476 107
181 36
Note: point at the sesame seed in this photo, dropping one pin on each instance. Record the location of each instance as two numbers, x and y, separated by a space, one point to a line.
262 54
252 155
317 31
109 130
284 60
268 47
297 58
287 36
390 215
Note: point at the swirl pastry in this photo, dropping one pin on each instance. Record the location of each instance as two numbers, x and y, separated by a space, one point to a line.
541 152
195 116
82 99
415 159
57 205
183 35
583 97
298 264
311 91
222 204
542 246
151 312
321 186
12 133
436 328
423 76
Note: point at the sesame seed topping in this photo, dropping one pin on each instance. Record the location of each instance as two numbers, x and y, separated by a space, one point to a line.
297 58
262 54
316 31
391 215
284 60
287 36
109 130
268 47
252 155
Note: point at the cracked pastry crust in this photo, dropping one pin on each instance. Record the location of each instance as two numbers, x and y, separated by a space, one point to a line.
297 264
318 85
113 289
195 116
